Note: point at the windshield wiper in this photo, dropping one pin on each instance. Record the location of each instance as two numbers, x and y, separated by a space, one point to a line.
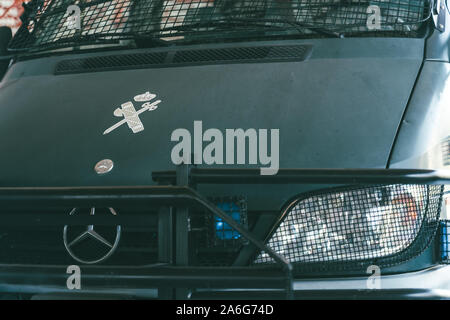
143 40
227 24
102 38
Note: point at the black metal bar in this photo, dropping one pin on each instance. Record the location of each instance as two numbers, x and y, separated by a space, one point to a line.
69 197
165 235
157 276
312 176
165 246
182 230
59 219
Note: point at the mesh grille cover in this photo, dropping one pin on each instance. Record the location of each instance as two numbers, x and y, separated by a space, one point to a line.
112 62
185 57
47 24
382 225
213 241
277 53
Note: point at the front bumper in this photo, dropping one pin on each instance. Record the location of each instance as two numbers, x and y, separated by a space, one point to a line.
219 283
154 281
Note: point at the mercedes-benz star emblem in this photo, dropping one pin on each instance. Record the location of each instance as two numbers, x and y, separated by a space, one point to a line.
104 248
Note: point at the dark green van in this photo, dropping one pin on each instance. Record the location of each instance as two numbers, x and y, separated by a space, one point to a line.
230 149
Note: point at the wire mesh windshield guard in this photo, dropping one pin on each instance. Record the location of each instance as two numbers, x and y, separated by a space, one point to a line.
51 24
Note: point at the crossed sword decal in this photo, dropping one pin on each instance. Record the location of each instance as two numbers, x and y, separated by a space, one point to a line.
131 116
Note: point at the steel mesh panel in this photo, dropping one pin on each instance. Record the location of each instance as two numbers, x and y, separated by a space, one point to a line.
213 241
383 225
46 23
219 232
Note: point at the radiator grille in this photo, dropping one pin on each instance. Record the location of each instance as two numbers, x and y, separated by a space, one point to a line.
44 244
212 242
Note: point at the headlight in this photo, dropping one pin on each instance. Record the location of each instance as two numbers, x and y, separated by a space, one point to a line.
357 224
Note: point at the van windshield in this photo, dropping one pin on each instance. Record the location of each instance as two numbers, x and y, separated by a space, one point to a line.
52 24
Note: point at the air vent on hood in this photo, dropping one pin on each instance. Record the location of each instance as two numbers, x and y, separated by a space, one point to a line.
243 54
112 62
185 57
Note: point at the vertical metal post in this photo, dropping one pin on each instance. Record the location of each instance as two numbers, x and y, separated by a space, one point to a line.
165 246
182 226
165 235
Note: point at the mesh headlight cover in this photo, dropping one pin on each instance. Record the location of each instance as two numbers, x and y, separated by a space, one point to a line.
358 224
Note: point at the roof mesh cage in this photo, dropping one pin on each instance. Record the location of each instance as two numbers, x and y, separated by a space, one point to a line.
50 24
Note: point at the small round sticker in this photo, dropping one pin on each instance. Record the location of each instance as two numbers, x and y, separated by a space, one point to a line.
104 166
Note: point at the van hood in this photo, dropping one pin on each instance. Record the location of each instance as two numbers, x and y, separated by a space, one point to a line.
340 108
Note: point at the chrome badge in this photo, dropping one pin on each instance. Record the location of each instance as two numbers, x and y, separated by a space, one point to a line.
131 115
89 246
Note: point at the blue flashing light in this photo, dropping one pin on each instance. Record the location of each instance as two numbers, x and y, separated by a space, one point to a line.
445 240
223 229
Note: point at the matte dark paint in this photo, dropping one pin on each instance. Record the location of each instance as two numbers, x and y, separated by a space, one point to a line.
339 109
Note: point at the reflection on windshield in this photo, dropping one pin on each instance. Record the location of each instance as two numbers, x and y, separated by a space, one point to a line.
47 23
